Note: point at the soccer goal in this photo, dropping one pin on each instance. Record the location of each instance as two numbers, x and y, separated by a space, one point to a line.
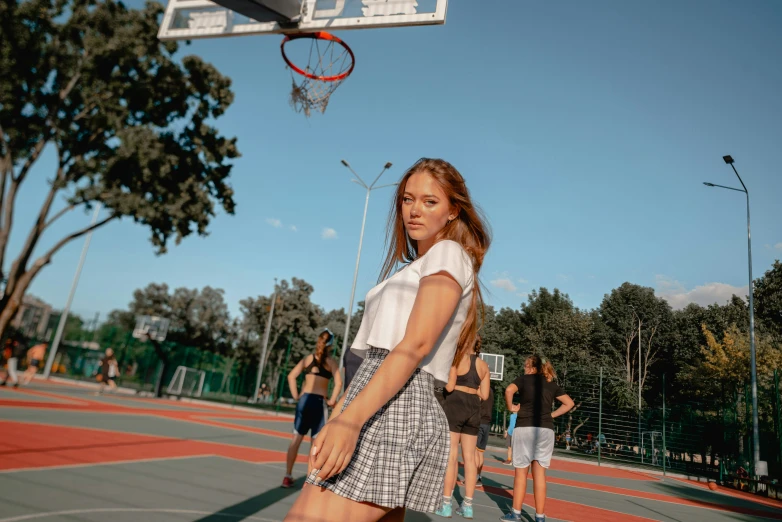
187 382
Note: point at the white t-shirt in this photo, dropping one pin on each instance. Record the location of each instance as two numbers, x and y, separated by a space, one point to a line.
387 306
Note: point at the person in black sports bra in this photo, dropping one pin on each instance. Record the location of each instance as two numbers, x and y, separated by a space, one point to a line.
468 384
311 413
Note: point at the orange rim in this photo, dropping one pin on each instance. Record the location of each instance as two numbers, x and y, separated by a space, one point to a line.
320 35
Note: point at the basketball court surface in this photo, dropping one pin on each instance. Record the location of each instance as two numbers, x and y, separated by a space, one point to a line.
68 454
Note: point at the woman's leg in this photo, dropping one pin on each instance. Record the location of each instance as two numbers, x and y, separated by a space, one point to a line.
293 451
470 467
519 487
453 465
316 504
539 487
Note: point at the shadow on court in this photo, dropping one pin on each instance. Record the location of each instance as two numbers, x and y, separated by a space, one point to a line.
253 505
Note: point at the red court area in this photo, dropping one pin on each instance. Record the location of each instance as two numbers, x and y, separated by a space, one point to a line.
47 428
31 446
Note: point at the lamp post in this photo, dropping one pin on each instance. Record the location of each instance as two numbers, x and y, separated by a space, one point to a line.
64 315
758 467
369 188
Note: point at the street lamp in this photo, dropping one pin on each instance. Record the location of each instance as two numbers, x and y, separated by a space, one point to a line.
369 189
759 467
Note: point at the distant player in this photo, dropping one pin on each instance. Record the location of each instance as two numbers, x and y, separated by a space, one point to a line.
16 349
533 436
311 413
35 357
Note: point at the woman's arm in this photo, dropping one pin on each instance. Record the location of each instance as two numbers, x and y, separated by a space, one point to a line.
510 391
483 391
566 406
334 368
292 376
451 384
437 298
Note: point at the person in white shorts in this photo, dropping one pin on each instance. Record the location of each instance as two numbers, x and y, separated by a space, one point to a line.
533 436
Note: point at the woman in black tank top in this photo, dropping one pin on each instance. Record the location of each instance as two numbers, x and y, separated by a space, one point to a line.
467 386
311 412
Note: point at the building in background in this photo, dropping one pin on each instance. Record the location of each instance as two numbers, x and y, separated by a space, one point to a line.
33 317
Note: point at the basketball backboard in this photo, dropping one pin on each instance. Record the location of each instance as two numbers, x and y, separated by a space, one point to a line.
151 327
191 19
496 365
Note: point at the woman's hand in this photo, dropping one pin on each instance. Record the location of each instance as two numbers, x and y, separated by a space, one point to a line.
515 408
334 446
331 403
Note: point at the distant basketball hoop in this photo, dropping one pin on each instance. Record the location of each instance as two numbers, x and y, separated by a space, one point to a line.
150 327
330 61
496 365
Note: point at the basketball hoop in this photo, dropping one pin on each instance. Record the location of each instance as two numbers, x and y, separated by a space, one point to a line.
330 62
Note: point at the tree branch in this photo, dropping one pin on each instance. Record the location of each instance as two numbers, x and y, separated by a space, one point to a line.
47 257
58 215
32 159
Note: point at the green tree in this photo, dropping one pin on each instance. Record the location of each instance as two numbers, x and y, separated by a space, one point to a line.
197 318
768 299
294 314
130 126
622 311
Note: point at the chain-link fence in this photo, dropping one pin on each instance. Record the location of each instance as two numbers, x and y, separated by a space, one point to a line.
709 439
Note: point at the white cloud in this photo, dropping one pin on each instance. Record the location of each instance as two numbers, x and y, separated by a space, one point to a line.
563 277
505 284
293 227
710 293
329 233
523 295
523 281
276 223
778 246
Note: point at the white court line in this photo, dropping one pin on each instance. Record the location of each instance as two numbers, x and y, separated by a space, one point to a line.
133 510
93 464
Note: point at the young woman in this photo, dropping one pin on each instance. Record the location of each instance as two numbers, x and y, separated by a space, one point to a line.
311 413
533 436
387 450
468 385
108 370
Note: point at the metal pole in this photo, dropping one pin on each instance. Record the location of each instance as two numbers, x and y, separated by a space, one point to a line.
265 343
355 278
664 449
64 316
640 449
369 189
600 420
284 371
753 368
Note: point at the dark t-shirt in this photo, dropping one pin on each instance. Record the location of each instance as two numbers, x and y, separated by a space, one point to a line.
486 407
536 397
19 349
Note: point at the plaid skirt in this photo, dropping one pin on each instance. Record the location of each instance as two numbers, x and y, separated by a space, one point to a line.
402 451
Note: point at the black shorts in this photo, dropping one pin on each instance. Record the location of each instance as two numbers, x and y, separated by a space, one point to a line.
463 411
483 437
439 394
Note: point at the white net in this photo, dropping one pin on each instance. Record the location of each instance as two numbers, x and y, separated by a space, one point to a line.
329 62
187 382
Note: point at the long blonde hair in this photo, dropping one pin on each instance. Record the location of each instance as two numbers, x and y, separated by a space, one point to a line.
469 229
542 366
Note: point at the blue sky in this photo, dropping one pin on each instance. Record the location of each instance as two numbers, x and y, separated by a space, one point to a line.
584 130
